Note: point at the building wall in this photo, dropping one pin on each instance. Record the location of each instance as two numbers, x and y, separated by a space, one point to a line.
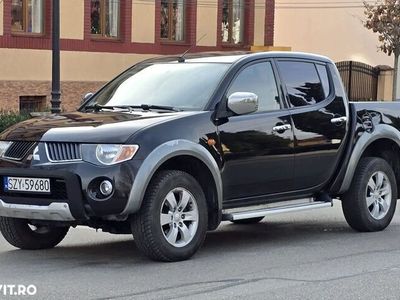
72 92
143 21
259 22
87 62
1 18
78 74
72 19
207 16
30 64
334 30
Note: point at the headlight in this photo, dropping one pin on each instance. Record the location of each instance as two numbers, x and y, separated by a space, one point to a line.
112 154
3 147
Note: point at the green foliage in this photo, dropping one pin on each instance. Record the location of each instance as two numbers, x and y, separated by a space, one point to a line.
8 119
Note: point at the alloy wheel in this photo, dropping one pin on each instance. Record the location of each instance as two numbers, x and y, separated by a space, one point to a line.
179 217
378 195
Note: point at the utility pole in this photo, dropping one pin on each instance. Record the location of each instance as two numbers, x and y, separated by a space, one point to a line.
55 83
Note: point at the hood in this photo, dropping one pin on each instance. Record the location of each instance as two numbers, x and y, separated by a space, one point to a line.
79 127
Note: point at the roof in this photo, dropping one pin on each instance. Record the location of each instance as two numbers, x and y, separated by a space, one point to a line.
232 57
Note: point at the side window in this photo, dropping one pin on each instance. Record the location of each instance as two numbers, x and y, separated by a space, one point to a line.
323 75
258 79
302 82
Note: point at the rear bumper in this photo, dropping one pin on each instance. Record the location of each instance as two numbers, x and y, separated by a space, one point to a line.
65 203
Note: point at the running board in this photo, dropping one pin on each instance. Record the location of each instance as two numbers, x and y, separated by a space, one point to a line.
248 214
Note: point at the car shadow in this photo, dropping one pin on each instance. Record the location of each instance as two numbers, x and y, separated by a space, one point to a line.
121 252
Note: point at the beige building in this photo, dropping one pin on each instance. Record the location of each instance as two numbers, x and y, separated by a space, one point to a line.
101 38
331 28
334 29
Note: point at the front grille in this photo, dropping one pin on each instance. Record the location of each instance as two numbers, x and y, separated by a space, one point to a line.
18 150
63 151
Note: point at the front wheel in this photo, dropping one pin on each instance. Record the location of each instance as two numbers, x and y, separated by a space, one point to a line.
172 222
370 203
22 234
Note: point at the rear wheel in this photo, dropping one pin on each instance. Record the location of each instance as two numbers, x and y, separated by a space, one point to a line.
172 222
248 221
370 203
21 234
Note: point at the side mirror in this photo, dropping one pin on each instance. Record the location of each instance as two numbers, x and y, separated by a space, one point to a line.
87 97
242 103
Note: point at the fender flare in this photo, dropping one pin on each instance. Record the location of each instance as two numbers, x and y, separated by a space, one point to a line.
381 131
160 155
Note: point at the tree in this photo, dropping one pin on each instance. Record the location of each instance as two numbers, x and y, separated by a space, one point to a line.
383 18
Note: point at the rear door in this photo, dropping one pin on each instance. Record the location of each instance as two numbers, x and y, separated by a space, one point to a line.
319 116
257 148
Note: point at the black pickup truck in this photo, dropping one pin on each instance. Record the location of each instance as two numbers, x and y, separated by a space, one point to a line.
175 145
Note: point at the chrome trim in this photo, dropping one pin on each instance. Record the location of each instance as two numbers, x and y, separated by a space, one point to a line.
339 120
282 128
62 161
303 201
54 212
275 210
18 159
242 103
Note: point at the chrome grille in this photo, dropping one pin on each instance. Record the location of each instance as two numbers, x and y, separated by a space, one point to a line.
18 150
58 152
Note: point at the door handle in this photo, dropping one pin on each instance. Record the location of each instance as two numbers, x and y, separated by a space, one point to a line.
281 128
339 120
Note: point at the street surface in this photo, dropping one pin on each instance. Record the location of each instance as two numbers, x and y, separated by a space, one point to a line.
308 255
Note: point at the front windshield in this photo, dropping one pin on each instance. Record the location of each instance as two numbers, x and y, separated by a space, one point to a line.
185 86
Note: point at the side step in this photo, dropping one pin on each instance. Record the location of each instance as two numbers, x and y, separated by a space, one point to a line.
248 214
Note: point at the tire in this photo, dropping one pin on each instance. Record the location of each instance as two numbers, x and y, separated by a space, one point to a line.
20 234
183 231
370 203
248 221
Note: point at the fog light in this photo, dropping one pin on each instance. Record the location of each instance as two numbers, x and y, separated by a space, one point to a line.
106 188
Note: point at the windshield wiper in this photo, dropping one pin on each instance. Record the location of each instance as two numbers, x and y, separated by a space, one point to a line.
147 107
150 107
98 107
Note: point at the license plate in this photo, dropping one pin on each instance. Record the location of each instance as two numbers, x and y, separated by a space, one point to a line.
26 184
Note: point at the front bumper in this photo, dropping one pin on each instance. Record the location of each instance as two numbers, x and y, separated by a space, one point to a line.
52 212
65 203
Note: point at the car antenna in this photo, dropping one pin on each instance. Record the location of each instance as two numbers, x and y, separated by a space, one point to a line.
181 58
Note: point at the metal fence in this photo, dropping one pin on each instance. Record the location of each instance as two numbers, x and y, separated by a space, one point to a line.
360 80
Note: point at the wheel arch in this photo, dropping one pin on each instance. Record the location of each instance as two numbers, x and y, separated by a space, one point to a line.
383 142
185 156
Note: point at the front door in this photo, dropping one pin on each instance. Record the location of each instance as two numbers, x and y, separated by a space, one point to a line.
258 153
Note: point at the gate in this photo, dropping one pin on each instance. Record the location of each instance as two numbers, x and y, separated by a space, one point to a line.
360 80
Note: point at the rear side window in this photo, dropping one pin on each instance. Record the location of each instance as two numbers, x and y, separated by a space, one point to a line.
258 79
302 82
323 75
